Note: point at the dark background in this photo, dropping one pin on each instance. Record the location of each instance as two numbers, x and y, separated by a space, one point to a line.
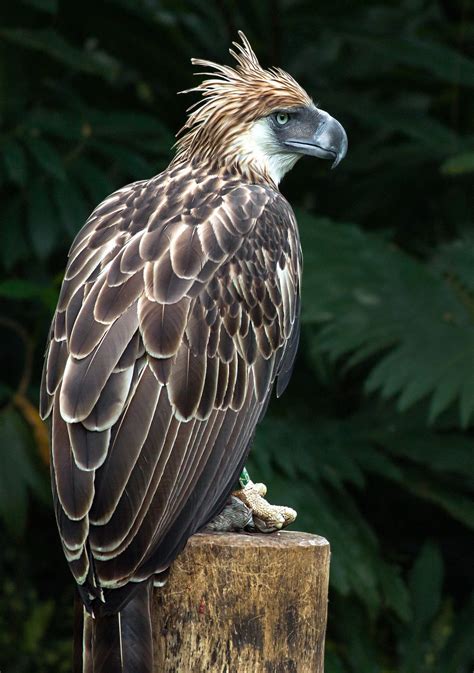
373 441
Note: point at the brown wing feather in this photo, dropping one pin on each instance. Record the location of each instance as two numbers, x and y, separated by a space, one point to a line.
178 310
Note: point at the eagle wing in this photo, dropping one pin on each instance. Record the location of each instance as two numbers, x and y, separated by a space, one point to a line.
178 310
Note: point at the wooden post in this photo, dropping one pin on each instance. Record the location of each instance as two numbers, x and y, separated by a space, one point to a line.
237 603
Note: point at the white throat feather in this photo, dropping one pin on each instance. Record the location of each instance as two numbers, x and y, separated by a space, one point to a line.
259 149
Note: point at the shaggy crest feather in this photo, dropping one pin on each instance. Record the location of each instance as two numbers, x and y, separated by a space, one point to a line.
232 99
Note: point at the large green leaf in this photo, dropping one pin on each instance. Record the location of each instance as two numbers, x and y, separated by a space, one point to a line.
371 298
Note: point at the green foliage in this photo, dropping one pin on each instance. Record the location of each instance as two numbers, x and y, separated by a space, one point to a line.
460 163
19 473
372 442
48 42
34 629
327 465
364 294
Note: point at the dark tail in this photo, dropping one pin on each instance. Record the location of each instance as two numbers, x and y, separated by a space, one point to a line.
118 643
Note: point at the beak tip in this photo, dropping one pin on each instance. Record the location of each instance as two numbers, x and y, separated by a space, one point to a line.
342 151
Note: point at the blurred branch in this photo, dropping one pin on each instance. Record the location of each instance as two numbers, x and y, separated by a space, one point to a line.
19 398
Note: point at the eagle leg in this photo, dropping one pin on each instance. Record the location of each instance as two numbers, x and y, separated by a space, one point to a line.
248 510
235 516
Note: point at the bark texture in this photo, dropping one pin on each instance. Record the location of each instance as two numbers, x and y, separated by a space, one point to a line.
237 603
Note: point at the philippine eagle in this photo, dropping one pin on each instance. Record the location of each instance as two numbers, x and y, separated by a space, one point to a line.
178 313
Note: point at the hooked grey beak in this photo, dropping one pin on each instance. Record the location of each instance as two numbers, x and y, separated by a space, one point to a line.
328 142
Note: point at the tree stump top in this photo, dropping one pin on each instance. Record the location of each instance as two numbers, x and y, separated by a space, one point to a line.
280 539
244 603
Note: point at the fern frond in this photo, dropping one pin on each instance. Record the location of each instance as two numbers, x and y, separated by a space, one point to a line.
370 298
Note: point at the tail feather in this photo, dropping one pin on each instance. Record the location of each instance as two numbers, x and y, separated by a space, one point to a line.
107 645
117 643
83 623
136 629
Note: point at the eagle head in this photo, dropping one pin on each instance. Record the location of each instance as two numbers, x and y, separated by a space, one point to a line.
258 121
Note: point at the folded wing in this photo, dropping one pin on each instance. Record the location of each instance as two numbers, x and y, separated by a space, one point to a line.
178 310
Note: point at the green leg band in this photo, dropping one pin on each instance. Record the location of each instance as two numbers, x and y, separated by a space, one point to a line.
244 478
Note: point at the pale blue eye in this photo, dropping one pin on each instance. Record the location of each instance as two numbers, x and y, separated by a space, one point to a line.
282 118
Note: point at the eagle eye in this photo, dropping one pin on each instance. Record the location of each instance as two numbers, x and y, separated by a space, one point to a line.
282 118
